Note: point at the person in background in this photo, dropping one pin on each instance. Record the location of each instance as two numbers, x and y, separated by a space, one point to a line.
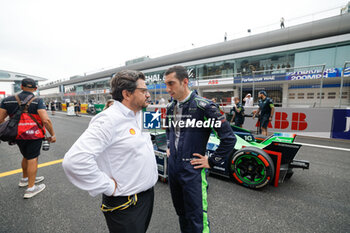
108 104
215 101
77 108
67 105
237 113
29 142
162 101
79 105
53 107
266 110
282 22
218 106
249 101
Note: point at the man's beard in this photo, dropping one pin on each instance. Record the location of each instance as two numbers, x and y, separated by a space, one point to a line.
145 104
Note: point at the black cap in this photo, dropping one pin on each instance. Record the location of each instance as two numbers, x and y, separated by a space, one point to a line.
28 82
263 92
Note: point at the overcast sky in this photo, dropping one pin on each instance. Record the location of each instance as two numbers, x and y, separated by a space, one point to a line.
59 39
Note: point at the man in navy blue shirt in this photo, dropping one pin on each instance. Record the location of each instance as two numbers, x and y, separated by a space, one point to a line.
187 146
266 110
30 137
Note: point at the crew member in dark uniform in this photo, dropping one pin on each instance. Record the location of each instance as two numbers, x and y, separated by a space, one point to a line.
266 110
53 107
238 111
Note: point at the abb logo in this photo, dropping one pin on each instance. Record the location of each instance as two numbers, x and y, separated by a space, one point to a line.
213 82
281 121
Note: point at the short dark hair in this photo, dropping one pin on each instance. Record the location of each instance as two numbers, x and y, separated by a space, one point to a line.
180 72
124 80
263 92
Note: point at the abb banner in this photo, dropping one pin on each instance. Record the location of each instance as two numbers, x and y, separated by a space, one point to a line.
303 121
298 121
213 82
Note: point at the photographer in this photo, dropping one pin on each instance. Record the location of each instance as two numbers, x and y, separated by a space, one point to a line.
29 140
249 101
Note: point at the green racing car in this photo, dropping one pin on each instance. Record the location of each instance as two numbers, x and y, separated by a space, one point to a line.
255 162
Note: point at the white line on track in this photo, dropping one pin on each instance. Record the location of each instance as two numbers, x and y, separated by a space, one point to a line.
326 147
65 114
60 117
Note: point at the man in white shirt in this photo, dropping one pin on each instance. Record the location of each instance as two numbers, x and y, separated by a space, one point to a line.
248 100
114 157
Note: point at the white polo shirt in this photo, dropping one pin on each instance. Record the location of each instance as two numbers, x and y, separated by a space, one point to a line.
113 146
249 102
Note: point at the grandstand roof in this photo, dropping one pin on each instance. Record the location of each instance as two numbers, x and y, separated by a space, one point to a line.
10 76
323 28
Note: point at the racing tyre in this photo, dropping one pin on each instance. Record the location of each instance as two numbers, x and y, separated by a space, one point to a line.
251 167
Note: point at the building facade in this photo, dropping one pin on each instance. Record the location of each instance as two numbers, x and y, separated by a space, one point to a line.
305 65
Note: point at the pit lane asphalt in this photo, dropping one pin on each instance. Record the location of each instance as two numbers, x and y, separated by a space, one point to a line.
315 200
